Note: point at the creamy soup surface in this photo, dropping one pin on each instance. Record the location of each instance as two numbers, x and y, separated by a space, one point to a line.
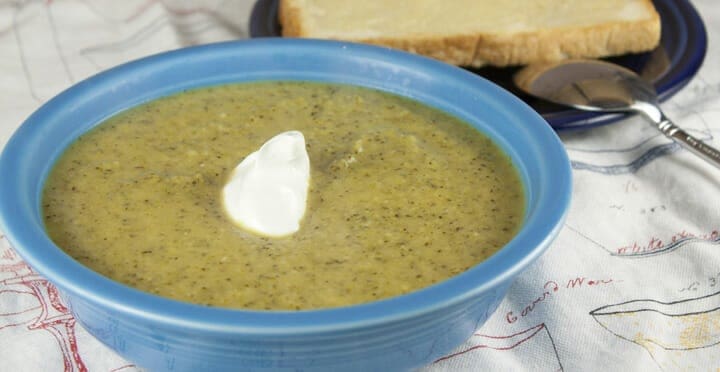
402 196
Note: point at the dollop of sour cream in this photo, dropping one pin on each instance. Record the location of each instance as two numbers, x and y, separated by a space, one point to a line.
267 191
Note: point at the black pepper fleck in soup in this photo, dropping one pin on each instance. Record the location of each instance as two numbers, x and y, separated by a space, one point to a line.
401 196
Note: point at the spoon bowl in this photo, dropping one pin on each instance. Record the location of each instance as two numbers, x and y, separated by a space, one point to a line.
593 85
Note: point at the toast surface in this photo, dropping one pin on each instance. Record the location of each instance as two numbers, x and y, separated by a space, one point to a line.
480 32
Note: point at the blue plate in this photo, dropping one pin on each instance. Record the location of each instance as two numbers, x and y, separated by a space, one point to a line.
669 67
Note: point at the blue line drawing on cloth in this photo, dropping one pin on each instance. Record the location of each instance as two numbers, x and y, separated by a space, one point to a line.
632 167
678 335
612 156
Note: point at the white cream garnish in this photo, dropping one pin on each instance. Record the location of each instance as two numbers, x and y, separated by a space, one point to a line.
267 192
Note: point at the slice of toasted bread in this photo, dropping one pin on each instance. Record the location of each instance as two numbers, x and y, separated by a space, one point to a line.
480 32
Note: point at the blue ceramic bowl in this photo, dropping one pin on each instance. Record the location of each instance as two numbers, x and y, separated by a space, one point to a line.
395 334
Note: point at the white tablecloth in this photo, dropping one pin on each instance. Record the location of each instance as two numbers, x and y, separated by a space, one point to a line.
632 282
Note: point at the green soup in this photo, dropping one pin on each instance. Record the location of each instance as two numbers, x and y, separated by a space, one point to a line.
402 196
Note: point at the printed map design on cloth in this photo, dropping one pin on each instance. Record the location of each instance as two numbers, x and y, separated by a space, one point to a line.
631 283
29 303
526 346
638 144
128 30
688 330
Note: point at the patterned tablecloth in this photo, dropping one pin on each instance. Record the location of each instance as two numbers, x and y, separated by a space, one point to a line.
631 283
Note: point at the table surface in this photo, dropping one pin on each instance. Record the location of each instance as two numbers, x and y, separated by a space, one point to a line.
631 283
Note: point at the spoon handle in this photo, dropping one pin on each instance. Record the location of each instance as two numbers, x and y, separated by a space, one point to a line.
696 146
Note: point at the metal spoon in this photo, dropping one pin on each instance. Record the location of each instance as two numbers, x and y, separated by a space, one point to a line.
601 86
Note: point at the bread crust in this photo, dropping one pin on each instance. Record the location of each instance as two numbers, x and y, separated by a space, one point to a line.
290 17
508 49
560 44
456 50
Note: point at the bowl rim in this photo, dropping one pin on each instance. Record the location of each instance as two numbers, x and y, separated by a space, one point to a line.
543 221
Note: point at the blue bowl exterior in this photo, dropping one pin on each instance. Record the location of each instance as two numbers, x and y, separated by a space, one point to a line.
398 345
394 334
